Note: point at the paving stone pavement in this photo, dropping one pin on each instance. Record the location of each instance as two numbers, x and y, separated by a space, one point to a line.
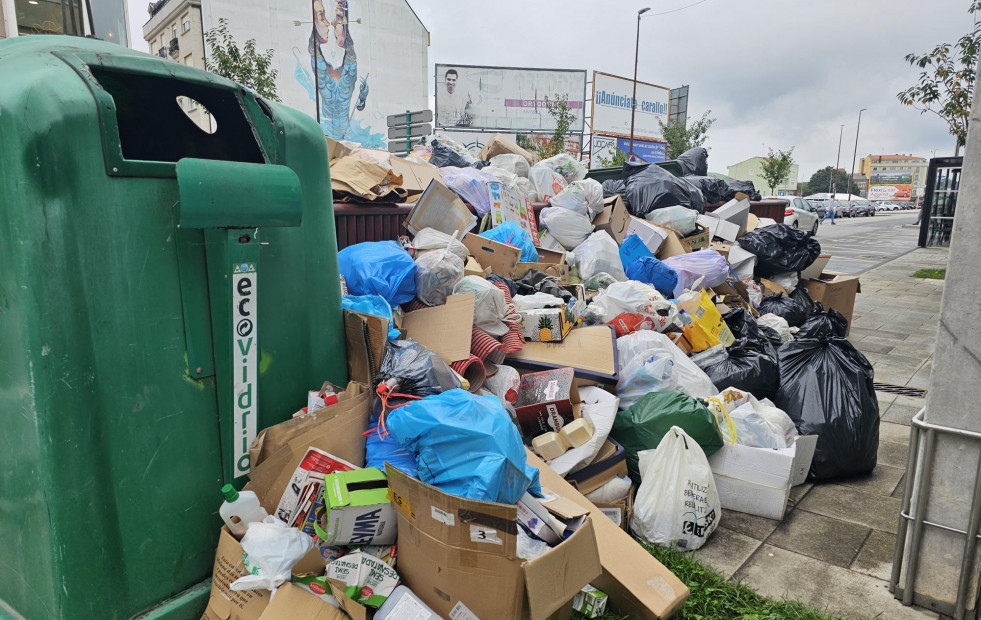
833 549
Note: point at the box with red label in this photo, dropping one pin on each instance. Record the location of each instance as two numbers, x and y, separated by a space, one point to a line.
547 401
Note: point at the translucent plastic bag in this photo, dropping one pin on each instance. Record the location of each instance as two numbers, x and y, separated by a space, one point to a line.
379 268
643 374
489 308
598 253
641 346
777 324
633 297
515 164
567 227
545 183
573 198
270 549
594 196
677 504
432 239
505 382
465 445
469 184
449 152
437 274
704 263
678 218
511 234
563 163
761 424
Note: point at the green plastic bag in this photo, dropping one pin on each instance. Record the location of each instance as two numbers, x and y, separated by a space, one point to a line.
644 425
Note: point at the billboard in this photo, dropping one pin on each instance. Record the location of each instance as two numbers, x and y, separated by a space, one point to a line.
505 99
891 184
678 111
356 60
605 148
473 141
612 97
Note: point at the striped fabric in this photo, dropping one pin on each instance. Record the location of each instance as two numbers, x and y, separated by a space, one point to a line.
413 305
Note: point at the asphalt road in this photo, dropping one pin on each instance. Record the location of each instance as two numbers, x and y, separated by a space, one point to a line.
859 244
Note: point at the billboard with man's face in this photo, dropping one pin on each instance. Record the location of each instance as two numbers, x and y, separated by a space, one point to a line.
506 99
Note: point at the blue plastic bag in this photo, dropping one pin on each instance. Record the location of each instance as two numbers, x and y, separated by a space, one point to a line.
633 248
378 451
379 268
465 445
374 305
512 234
651 271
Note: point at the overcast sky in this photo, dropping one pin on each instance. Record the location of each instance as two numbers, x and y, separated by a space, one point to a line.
780 73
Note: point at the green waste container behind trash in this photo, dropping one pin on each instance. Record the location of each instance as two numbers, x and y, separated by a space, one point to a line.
165 292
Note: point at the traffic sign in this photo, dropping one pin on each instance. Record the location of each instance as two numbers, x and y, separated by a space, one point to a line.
421 116
398 146
415 131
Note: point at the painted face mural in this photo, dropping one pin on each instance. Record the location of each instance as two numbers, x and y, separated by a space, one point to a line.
333 80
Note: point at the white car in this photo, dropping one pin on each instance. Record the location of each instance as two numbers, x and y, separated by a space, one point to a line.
801 214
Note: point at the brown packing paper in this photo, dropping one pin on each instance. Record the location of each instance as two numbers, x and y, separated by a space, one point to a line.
226 604
416 177
294 603
366 180
499 144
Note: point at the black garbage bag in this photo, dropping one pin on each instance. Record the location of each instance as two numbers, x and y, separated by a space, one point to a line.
611 187
821 324
415 370
744 187
649 187
826 389
789 308
535 281
780 248
713 189
741 368
751 335
801 296
695 161
445 156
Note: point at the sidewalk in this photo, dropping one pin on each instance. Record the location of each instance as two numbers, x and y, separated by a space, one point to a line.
833 550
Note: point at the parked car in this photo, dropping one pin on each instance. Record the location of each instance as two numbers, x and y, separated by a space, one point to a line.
801 214
861 208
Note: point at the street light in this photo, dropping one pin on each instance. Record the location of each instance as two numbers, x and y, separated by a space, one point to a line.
633 99
851 179
831 183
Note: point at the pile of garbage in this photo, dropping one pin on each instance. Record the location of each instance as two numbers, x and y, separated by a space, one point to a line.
528 392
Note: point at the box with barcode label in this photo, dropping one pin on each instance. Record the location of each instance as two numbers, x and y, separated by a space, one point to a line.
590 602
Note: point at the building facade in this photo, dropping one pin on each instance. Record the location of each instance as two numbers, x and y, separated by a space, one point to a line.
752 170
174 32
102 19
896 177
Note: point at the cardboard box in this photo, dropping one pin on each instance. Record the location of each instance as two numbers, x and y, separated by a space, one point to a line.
757 481
639 586
614 218
445 329
292 601
735 211
358 511
835 291
718 227
651 234
591 351
458 556
500 257
816 268
697 240
473 268
305 488
609 463
225 603
545 324
619 511
366 337
552 257
547 401
439 207
671 246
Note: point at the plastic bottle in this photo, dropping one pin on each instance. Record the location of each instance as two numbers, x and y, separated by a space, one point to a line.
239 509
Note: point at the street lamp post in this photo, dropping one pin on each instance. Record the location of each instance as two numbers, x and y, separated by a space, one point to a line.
851 179
633 99
831 183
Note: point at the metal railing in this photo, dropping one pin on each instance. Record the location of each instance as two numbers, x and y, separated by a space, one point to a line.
912 518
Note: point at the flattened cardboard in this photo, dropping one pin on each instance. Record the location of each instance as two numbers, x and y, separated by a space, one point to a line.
295 602
336 150
552 257
444 329
416 177
456 551
225 603
816 268
639 586
500 257
614 218
439 207
671 246
474 268
366 337
591 351
835 291
619 511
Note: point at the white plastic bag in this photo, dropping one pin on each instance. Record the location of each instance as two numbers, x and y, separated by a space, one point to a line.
754 290
677 504
573 198
787 279
778 324
614 490
632 297
761 424
563 163
643 374
594 196
469 184
678 218
690 267
430 239
522 187
504 384
515 164
690 379
545 183
599 252
490 307
270 551
437 274
567 227
536 301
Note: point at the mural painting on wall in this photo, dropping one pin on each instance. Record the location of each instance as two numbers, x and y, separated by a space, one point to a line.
332 78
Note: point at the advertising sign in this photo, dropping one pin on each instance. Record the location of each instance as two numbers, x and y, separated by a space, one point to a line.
891 185
604 147
612 96
245 291
505 99
473 141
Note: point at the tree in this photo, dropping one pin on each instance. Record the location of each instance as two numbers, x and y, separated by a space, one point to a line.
559 109
680 137
616 161
946 83
246 66
776 167
821 180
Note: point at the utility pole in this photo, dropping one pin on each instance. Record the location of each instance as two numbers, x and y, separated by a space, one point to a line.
851 179
831 183
633 99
